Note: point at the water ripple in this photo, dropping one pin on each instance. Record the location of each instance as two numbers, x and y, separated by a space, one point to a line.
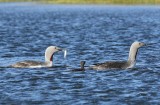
91 33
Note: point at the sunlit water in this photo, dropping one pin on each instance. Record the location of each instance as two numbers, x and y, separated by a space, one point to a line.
91 33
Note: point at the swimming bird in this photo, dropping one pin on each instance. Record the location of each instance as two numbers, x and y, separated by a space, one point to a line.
82 63
130 63
50 51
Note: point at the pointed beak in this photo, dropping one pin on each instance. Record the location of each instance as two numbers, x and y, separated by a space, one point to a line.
143 44
64 50
59 49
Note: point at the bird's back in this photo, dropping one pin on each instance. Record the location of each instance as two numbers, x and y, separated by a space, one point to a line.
110 65
26 64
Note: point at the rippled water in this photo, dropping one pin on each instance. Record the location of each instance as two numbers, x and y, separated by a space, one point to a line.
91 33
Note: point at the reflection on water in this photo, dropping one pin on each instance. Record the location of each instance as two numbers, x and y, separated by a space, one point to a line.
91 33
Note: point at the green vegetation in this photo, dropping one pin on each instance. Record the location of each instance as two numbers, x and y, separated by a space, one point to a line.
16 0
89 1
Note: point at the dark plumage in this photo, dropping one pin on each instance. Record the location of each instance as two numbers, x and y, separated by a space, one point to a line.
26 64
82 63
109 65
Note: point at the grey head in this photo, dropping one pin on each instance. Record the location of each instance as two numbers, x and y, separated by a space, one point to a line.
137 44
50 52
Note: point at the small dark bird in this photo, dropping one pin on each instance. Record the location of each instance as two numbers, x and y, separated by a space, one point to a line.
82 63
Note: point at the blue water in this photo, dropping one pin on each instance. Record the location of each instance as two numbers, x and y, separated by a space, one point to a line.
88 32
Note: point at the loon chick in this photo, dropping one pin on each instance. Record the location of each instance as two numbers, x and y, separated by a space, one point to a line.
82 63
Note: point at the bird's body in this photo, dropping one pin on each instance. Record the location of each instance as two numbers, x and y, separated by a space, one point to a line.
82 63
37 64
112 65
31 64
121 64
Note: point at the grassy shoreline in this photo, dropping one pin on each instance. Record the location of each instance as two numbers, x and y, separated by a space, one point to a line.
125 2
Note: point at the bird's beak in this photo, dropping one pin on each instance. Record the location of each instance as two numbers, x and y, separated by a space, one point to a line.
143 44
59 49
64 50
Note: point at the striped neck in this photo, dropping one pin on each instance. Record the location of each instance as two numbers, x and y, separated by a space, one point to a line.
132 55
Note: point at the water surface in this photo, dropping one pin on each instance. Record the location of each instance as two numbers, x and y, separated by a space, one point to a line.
91 33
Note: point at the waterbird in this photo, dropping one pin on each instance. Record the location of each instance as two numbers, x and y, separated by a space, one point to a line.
82 63
49 52
130 63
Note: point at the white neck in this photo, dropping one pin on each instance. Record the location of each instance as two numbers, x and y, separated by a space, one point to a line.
48 61
49 54
48 58
132 54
